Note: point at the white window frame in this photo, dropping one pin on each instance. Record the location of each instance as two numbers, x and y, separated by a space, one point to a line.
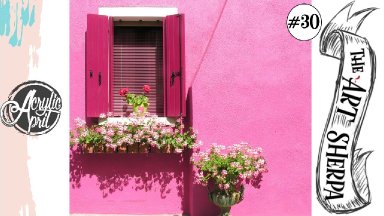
136 14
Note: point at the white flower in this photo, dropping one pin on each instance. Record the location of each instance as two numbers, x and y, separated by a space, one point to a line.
178 150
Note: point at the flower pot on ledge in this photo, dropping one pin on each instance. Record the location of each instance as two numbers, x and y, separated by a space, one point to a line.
133 148
122 149
143 147
167 149
155 149
140 110
110 150
92 149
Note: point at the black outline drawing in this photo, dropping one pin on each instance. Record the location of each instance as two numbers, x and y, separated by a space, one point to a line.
339 33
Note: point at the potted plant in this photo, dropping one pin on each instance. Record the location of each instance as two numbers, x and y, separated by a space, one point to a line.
86 137
139 102
141 135
174 139
225 170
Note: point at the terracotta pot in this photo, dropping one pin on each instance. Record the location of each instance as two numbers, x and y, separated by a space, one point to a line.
132 148
143 148
109 150
87 149
92 149
98 149
224 201
155 149
122 149
167 149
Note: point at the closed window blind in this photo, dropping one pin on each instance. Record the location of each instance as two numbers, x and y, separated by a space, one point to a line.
138 61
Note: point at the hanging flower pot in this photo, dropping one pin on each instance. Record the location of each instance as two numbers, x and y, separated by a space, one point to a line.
226 200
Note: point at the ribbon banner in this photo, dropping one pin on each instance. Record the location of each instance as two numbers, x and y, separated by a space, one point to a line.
341 179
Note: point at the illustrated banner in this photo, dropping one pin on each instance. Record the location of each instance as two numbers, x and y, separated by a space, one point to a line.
341 179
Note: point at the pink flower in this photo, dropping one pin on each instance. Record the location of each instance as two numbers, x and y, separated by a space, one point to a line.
241 177
226 186
109 114
123 92
110 132
146 88
224 172
108 139
79 122
102 131
84 134
102 115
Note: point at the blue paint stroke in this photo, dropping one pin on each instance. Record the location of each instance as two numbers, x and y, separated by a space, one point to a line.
25 14
14 39
27 18
5 17
32 18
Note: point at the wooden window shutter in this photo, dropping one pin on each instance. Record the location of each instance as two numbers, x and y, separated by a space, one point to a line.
111 62
174 69
97 57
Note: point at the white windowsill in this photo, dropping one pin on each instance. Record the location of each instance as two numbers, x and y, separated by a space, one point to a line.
127 120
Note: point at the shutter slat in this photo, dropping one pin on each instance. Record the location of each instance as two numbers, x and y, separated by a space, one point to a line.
138 61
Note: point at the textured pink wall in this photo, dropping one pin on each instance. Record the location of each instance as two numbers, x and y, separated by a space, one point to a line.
250 81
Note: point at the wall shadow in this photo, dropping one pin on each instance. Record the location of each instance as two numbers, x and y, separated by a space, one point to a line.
142 172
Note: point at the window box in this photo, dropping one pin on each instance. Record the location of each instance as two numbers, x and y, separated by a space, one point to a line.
135 134
130 149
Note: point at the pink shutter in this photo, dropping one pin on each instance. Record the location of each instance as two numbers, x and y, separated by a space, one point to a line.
111 62
96 75
174 69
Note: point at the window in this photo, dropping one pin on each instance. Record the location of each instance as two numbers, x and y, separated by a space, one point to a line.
131 54
137 61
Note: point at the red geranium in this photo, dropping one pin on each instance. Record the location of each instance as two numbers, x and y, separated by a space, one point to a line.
123 92
147 88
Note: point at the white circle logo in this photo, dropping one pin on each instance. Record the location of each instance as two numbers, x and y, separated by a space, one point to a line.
304 22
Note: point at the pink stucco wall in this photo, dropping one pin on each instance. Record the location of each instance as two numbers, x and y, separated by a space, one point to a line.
249 80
